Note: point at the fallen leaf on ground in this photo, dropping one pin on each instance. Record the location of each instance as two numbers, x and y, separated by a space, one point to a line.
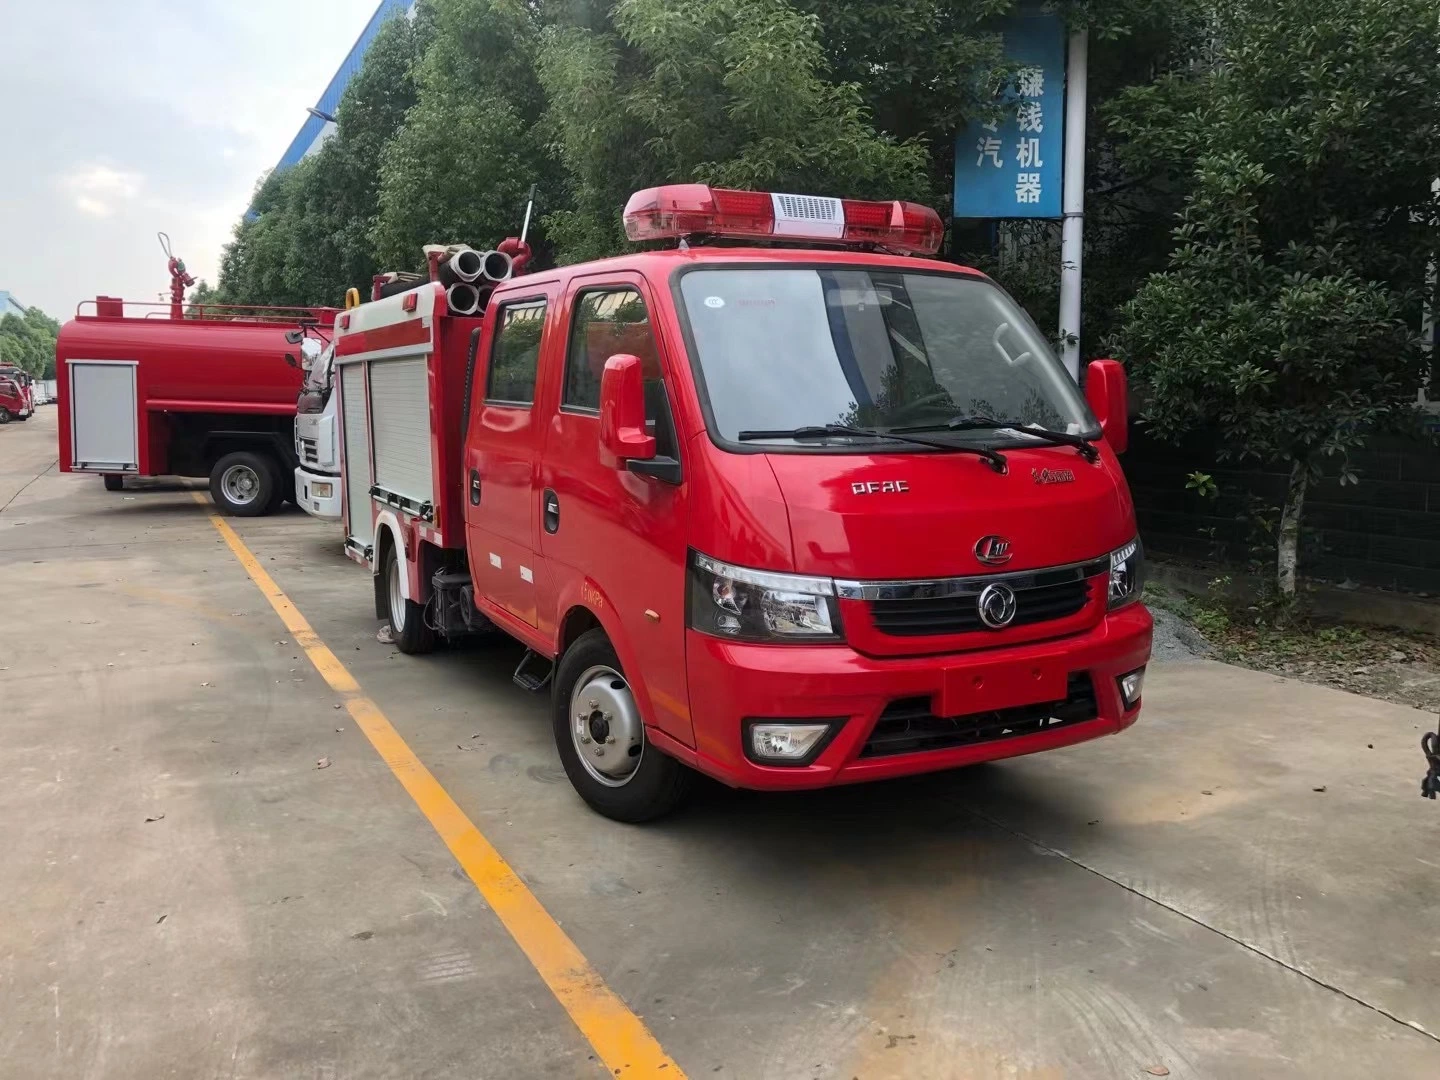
1320 788
157 817
1157 1070
161 919
323 763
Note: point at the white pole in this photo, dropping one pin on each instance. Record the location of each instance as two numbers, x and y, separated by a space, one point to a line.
1073 201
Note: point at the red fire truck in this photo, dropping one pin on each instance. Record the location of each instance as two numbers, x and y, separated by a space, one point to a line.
790 517
159 390
17 394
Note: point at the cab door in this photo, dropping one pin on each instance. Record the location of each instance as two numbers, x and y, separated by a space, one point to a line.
619 531
501 455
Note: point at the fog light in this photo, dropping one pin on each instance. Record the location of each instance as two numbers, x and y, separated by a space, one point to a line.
1130 686
787 742
322 490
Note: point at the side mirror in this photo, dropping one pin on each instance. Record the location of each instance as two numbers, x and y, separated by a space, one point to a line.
1109 396
294 336
622 413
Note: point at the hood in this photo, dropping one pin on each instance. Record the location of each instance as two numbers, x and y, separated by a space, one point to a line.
920 515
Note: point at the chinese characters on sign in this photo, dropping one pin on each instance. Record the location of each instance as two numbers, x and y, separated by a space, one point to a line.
1011 168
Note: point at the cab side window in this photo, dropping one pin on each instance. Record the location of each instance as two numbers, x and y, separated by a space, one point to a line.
515 354
607 322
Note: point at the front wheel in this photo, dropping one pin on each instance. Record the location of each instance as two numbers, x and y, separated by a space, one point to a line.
411 632
114 482
243 484
601 737
4 415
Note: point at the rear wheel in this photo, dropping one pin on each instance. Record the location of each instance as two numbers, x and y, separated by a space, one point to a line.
243 484
114 482
407 618
601 737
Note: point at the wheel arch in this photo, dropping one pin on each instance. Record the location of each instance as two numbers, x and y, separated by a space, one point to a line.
585 607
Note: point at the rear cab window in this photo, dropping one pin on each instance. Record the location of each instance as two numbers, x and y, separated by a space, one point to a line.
515 353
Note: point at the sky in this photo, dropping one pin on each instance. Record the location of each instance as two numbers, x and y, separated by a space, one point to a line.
121 118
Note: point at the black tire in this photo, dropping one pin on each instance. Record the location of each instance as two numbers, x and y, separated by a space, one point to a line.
408 627
4 415
656 786
22 419
114 482
243 484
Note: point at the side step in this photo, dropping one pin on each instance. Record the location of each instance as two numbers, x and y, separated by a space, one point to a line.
539 675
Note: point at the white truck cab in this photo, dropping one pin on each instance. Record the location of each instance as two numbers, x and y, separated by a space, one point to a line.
317 477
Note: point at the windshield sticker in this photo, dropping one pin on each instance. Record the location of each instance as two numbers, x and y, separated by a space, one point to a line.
714 301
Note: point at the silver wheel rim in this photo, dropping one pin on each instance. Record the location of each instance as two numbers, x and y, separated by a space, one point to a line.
397 598
605 726
241 484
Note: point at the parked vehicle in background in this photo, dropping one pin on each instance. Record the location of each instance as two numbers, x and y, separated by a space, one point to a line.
17 393
14 401
318 489
161 390
788 517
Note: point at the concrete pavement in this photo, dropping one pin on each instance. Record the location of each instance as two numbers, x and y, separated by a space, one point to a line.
1175 897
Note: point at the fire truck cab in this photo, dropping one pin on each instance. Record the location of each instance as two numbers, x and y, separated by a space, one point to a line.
790 517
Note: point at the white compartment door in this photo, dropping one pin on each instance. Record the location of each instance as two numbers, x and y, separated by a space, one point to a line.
400 421
104 424
357 454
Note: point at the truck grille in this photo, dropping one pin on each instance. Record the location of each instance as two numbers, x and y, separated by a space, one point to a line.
908 726
919 615
309 450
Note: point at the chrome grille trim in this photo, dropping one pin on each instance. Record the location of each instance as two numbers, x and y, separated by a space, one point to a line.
940 588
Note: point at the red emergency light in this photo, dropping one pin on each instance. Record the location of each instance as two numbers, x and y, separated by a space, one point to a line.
678 210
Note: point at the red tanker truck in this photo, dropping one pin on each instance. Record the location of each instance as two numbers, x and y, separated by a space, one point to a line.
165 390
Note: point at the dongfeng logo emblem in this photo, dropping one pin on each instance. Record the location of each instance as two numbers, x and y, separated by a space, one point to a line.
992 550
1052 476
996 605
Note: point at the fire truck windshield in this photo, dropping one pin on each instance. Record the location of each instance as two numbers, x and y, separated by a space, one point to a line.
786 347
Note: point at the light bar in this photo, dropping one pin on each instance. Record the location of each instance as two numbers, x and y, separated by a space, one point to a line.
678 210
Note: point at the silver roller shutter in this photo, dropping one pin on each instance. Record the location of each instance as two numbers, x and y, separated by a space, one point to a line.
400 416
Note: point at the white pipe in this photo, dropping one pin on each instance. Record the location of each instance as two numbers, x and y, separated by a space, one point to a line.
1073 201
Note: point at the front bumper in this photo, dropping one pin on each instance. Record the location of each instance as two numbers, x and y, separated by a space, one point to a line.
327 507
730 682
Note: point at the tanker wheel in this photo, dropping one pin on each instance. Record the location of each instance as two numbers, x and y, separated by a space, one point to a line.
412 634
243 484
4 415
114 482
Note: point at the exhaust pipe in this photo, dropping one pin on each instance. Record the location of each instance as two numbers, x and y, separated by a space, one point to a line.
496 266
465 265
463 298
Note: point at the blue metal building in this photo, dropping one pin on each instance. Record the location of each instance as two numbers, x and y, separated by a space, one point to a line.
319 125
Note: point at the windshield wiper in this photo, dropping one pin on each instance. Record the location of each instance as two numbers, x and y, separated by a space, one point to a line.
992 458
989 423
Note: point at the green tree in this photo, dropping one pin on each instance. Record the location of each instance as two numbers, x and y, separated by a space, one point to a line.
459 170
1286 319
737 93
28 342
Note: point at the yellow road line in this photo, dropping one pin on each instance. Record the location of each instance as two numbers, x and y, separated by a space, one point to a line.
620 1038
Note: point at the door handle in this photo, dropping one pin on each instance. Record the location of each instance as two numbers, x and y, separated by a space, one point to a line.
550 511
474 487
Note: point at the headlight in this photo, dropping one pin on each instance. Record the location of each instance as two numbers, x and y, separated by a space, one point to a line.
1127 574
757 605
322 489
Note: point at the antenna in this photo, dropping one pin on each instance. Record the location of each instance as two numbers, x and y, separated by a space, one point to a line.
529 205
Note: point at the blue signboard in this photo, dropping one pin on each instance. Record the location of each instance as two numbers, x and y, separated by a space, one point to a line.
1012 168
